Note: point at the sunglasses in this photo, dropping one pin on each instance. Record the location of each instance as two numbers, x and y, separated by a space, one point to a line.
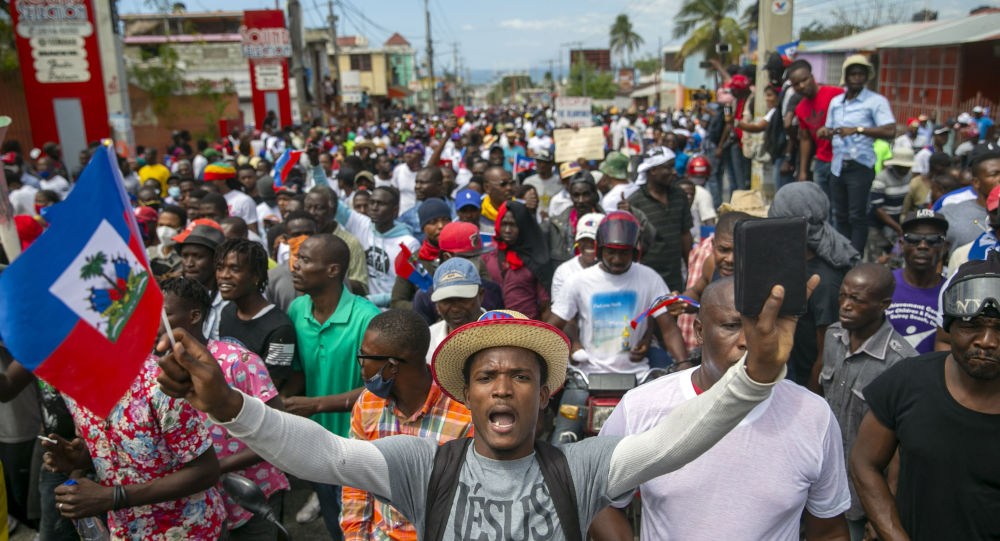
914 240
361 357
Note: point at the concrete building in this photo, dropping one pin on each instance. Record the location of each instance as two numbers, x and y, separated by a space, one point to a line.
207 46
938 68
384 73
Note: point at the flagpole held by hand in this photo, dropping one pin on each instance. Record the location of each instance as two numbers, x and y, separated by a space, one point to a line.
166 325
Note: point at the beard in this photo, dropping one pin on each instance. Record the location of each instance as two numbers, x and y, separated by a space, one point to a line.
979 364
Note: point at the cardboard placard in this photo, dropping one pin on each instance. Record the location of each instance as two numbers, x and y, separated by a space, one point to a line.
582 143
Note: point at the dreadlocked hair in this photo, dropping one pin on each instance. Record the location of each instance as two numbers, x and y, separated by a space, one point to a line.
189 290
252 251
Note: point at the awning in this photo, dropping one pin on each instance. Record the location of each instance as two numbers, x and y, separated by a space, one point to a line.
398 92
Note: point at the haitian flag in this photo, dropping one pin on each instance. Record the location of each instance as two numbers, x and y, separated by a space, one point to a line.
80 307
523 163
284 166
407 266
632 140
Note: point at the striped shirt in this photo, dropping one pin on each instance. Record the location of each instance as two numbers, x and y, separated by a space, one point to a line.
887 193
440 418
664 252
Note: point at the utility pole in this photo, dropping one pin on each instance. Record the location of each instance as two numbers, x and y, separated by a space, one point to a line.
430 56
659 68
454 66
332 19
298 70
552 79
773 29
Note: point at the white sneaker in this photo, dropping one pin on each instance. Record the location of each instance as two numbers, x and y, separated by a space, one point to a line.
309 511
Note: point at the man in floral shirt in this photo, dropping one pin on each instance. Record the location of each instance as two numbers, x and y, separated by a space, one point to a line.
158 450
185 302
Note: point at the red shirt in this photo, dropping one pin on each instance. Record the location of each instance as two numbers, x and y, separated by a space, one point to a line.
812 115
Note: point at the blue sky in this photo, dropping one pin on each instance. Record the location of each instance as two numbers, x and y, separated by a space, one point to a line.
518 34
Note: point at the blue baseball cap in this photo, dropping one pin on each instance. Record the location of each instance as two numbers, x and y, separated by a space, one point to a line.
465 198
456 278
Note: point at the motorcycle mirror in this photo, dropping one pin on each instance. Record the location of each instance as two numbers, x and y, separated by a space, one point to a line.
245 493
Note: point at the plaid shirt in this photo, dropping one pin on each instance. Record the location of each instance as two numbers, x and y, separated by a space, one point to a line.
440 418
696 260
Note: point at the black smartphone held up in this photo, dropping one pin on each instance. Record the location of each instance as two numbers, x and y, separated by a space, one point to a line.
770 251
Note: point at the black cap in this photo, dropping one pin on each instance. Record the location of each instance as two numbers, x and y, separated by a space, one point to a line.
925 216
205 235
432 209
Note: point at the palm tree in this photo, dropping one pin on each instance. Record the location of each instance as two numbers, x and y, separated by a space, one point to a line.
94 267
708 22
623 38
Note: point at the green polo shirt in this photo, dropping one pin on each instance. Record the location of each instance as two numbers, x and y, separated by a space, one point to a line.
327 351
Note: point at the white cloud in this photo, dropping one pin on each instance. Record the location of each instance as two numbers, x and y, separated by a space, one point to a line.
521 24
467 27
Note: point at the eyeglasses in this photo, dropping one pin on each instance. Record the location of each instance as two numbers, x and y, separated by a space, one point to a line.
914 240
361 357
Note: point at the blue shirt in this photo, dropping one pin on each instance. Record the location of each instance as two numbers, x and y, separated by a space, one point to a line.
983 123
412 218
866 110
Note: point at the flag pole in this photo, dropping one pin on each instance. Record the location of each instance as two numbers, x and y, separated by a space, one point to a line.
8 231
166 325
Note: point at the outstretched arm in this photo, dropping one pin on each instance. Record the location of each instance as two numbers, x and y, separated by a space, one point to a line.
293 444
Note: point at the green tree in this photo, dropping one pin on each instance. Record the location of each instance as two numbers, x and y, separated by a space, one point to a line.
648 64
215 93
8 50
706 23
508 86
624 39
160 75
599 85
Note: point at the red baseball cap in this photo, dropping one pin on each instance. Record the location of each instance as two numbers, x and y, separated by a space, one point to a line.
460 238
183 235
739 82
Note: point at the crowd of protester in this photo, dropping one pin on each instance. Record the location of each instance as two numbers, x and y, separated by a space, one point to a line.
325 292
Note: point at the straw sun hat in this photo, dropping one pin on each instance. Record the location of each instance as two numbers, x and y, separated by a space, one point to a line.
499 328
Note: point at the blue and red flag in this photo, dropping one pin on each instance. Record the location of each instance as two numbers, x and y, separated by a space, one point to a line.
284 166
632 140
80 307
408 266
523 163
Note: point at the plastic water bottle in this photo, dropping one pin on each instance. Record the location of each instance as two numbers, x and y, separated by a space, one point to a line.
90 528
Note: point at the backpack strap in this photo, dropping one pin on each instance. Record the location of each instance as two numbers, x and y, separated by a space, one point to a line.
562 492
448 461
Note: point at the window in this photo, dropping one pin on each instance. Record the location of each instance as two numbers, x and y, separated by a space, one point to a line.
361 62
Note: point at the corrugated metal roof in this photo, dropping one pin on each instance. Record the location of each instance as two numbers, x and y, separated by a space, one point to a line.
970 29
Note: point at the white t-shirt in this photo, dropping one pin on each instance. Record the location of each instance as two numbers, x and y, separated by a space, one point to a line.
405 181
560 202
563 273
604 304
617 192
242 205
537 144
57 184
380 251
702 209
786 455
922 161
546 187
23 200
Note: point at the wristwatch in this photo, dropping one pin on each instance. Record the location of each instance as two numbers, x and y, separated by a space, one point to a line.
861 129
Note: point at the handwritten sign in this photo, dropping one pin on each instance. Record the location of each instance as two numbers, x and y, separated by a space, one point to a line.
585 143
573 112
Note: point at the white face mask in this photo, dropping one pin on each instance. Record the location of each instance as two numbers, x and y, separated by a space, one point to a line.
166 233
